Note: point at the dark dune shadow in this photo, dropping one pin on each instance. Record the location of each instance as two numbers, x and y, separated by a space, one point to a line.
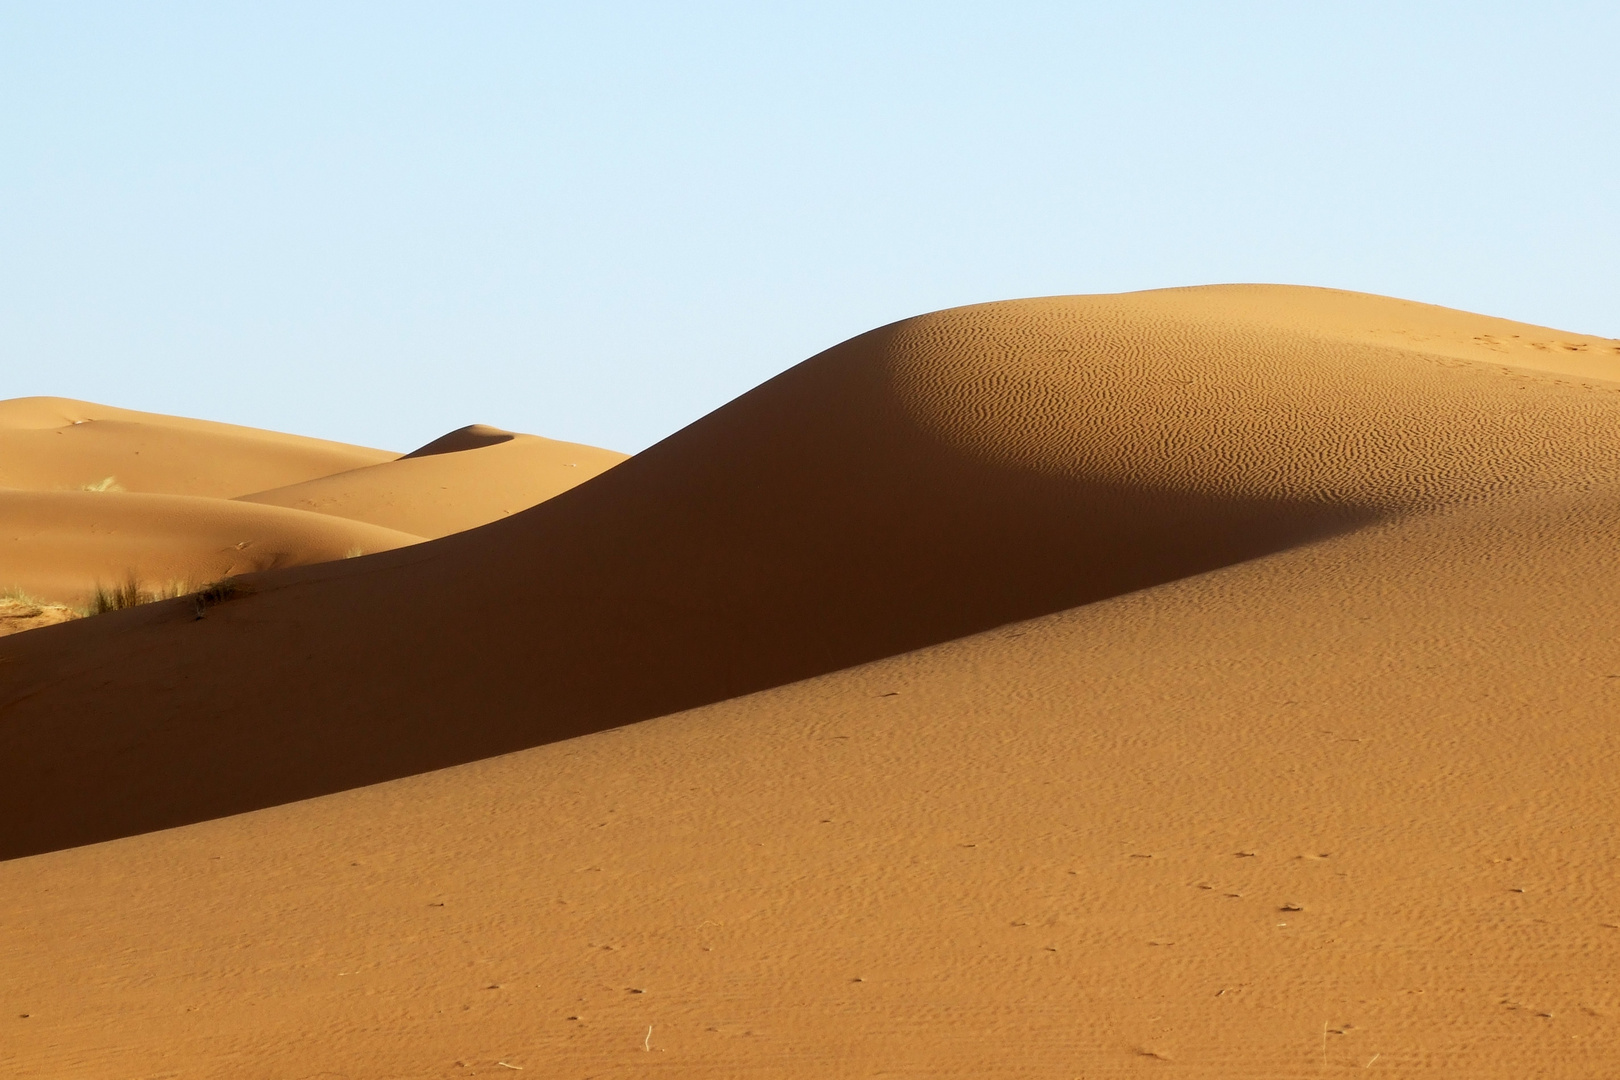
808 526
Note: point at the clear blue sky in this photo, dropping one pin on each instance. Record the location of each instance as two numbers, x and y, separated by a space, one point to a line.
598 221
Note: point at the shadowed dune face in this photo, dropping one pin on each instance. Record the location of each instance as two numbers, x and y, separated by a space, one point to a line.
1024 845
922 482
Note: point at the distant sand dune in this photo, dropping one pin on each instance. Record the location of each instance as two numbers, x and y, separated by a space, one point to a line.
101 494
1212 681
467 478
57 444
60 545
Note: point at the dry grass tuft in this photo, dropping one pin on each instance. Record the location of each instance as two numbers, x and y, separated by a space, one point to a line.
119 597
20 611
129 594
215 592
132 594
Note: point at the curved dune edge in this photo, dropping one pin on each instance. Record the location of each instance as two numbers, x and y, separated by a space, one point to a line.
59 444
923 482
471 437
470 477
1337 803
60 546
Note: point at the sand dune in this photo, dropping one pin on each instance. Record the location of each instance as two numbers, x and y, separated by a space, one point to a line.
1269 821
1235 699
922 482
467 478
101 495
60 545
57 444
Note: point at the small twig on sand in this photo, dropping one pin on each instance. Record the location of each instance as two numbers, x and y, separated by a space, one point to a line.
646 1044
504 1065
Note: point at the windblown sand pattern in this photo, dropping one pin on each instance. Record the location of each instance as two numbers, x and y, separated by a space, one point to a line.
1208 682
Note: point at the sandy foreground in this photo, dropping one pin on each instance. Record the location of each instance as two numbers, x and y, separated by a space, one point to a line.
1205 682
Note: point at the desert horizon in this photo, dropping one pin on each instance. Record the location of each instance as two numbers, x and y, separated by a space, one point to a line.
1205 681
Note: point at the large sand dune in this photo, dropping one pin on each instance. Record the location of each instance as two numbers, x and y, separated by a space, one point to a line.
1234 698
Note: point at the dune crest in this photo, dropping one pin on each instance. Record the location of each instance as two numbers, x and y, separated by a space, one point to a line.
61 545
471 437
58 444
470 477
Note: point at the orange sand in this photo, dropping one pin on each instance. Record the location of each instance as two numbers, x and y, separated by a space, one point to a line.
19 613
56 444
56 544
92 497
1211 682
475 476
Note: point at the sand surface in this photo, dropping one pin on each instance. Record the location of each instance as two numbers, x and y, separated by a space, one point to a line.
59 545
93 497
467 478
1210 682
57 444
19 612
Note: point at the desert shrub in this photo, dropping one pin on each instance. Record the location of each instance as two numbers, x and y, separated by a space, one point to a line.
117 598
129 594
215 592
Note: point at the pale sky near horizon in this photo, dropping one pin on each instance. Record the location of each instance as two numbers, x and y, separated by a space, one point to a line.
378 222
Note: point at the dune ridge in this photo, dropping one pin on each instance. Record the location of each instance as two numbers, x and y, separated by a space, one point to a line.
470 477
59 444
919 483
58 544
94 496
1211 681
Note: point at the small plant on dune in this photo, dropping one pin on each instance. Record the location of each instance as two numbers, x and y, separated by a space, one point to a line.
215 592
108 483
18 596
117 598
17 604
127 595
21 611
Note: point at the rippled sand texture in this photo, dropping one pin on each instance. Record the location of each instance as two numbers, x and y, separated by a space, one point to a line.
1208 682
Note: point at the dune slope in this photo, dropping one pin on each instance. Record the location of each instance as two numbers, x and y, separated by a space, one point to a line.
467 478
1344 808
925 481
60 545
1301 763
58 444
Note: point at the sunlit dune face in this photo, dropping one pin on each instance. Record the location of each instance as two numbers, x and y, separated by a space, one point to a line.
1175 391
